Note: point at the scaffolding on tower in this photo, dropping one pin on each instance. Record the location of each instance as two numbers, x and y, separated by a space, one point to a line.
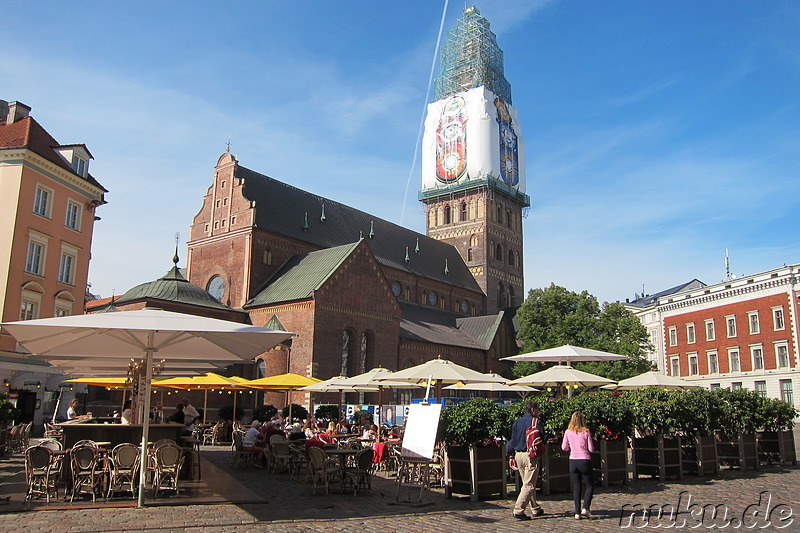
471 58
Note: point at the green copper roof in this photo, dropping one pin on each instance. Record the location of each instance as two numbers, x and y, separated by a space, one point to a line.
301 275
172 287
471 58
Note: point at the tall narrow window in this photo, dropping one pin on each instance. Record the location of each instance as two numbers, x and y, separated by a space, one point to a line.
761 388
733 360
758 357
29 310
731 322
690 338
345 352
73 219
787 394
66 269
674 366
777 318
782 355
511 257
41 203
35 260
512 296
693 366
711 334
499 253
673 336
447 214
752 318
713 364
463 210
508 218
469 254
501 296
366 353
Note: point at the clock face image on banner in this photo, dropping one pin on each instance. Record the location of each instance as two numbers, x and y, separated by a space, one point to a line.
451 151
509 158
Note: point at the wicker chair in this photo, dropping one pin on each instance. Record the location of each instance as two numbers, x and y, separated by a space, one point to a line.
360 475
322 469
240 455
168 461
213 435
279 452
41 477
86 471
123 468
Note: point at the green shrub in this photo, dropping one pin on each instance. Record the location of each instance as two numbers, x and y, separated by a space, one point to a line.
298 413
226 412
476 421
264 413
326 414
7 410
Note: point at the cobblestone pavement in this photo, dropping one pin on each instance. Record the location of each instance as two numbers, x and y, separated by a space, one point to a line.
767 500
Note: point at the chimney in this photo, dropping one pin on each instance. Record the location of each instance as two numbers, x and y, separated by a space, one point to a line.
3 111
16 112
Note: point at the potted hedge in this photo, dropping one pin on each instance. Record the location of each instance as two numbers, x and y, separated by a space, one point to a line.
740 415
776 441
474 453
696 408
656 448
610 420
555 414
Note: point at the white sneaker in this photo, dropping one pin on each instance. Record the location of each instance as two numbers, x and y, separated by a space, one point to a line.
586 514
577 517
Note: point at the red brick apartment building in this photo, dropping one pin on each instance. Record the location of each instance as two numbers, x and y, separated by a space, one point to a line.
741 333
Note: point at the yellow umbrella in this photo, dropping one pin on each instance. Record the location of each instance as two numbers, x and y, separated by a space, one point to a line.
283 382
209 381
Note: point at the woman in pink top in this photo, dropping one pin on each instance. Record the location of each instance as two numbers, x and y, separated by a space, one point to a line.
578 442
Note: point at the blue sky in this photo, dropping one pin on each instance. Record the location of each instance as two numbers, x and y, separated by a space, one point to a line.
657 133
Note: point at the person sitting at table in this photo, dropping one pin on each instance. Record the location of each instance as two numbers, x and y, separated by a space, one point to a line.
273 428
127 414
310 428
330 434
370 433
253 441
178 415
72 412
296 432
342 427
191 427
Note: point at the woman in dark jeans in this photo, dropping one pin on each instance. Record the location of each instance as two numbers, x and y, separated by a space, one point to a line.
578 442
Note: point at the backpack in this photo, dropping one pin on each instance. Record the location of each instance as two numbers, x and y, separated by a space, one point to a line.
534 441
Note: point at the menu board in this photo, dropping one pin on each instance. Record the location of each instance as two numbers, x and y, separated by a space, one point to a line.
419 437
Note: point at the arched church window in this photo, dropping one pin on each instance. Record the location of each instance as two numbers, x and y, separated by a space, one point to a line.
345 352
499 215
366 353
499 252
511 257
463 211
512 297
501 295
508 218
473 240
447 214
469 254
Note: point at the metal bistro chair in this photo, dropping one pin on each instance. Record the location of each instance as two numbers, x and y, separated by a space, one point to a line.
40 477
213 435
169 460
322 468
123 468
360 475
240 455
86 470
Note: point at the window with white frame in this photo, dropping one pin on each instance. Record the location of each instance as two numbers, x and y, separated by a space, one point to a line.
674 366
761 388
730 321
733 360
713 362
42 201
787 394
777 318
654 338
34 264
694 369
73 219
673 336
715 386
711 333
690 338
782 354
29 310
752 320
757 353
736 385
79 165
66 268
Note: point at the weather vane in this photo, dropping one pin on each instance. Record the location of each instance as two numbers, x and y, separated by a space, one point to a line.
228 145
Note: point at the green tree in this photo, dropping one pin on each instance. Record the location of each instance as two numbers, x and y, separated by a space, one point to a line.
555 316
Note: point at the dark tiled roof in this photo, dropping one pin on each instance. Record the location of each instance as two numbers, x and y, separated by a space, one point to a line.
650 299
173 287
483 328
343 224
427 324
301 275
27 133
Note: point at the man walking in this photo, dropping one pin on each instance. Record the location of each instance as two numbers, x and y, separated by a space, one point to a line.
519 459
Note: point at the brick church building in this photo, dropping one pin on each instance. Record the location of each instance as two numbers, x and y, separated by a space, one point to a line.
361 291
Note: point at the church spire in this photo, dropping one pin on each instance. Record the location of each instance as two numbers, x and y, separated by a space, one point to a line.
472 58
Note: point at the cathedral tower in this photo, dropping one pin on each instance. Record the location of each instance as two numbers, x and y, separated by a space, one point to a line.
473 162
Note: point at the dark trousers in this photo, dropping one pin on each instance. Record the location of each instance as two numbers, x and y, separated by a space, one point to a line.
580 472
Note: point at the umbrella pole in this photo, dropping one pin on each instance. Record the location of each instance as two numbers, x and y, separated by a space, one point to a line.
205 405
148 361
235 394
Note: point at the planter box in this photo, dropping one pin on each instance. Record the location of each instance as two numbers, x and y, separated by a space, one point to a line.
776 447
479 472
657 456
699 455
737 451
554 474
610 461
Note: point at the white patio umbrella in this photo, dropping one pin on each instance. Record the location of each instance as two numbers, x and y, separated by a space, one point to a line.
442 372
556 376
504 386
119 338
651 379
335 384
566 354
